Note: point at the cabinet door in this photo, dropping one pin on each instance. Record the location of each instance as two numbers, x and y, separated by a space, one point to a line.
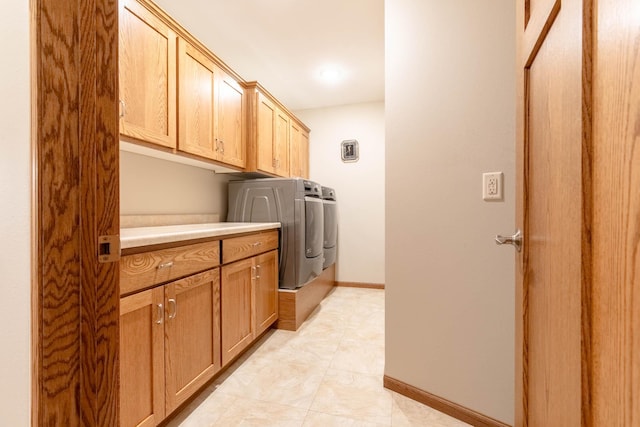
266 290
294 150
281 143
192 334
196 98
229 121
304 154
266 116
142 359
147 76
237 322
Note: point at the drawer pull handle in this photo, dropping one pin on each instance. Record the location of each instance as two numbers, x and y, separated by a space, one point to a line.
172 314
160 314
257 244
258 271
165 265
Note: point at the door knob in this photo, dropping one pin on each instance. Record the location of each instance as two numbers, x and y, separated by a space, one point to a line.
515 240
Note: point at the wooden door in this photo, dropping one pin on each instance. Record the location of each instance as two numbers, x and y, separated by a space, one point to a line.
142 358
549 211
230 120
192 352
294 150
236 307
281 143
147 71
266 290
266 117
614 359
196 101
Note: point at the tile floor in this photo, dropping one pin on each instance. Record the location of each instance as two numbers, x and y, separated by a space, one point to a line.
328 373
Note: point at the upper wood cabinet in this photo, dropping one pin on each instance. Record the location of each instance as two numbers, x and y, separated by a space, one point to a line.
299 150
230 119
175 93
281 143
147 76
196 100
264 134
211 109
274 141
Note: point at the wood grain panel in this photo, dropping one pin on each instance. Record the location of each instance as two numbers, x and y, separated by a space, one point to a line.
75 157
147 76
281 143
142 385
196 100
191 345
139 271
295 306
304 154
265 129
230 118
241 247
236 308
616 216
266 291
295 169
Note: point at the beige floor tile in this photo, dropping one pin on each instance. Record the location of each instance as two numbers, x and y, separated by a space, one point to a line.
255 413
359 356
319 419
206 413
287 383
353 395
408 413
328 373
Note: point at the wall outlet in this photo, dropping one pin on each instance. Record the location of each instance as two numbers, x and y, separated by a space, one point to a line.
492 186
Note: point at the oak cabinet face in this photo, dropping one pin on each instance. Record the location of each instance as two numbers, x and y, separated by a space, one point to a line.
147 76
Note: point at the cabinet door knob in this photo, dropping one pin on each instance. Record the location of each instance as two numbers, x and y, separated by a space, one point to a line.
258 271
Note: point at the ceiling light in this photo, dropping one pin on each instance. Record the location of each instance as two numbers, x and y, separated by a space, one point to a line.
331 74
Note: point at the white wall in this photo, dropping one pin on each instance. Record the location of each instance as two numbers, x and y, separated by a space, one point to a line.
359 186
15 215
450 114
150 186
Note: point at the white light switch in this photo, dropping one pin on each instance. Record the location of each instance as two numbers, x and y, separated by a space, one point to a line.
492 186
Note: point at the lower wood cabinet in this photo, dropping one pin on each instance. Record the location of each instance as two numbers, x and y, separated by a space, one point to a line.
177 336
142 387
192 335
266 291
249 301
169 346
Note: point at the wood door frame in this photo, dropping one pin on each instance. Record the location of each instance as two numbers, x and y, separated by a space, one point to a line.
75 199
525 50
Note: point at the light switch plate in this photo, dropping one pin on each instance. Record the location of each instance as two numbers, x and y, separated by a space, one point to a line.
492 183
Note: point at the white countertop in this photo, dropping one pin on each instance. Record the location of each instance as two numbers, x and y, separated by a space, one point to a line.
145 236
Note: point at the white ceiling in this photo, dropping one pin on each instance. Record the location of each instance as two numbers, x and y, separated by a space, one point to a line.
284 44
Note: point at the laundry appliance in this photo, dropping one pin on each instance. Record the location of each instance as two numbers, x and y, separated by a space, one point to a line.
297 204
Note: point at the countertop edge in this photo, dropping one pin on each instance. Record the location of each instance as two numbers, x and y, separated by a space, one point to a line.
148 236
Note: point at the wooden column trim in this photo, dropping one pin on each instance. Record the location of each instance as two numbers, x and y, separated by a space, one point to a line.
75 200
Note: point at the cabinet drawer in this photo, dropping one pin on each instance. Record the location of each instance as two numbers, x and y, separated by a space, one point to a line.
245 246
139 271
